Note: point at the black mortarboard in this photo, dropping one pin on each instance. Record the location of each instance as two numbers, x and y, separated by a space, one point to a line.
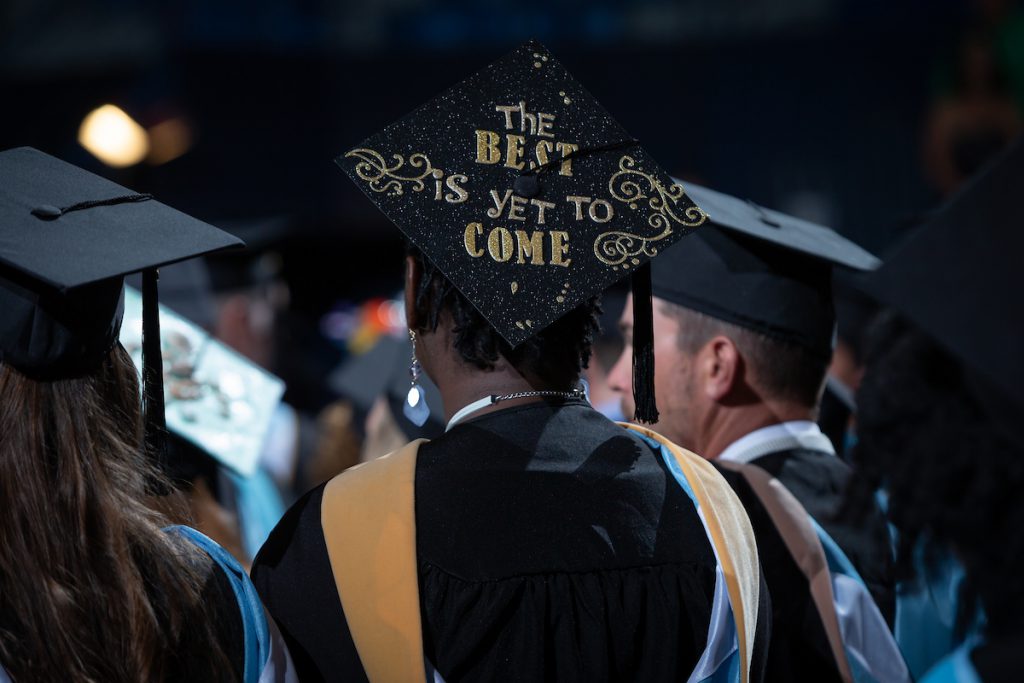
759 269
383 371
527 195
67 239
958 276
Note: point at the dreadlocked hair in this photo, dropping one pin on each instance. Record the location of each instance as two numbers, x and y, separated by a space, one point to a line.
557 354
953 479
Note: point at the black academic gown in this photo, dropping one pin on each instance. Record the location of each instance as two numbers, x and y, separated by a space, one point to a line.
1000 659
799 649
818 480
552 545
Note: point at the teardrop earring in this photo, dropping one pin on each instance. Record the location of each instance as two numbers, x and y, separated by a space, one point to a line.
415 408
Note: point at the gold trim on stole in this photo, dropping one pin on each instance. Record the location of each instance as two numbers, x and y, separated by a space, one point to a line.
732 536
792 522
369 522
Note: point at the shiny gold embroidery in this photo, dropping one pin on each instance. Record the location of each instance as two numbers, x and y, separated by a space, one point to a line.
374 169
633 187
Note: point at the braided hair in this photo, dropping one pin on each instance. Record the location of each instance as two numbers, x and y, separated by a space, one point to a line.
557 354
953 478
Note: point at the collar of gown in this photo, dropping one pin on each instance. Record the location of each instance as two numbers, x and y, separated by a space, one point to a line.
778 437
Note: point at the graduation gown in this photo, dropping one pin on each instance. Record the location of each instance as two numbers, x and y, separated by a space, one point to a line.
804 461
818 480
984 661
551 544
799 649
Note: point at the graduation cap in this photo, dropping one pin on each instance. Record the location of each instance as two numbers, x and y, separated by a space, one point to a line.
958 275
67 239
759 269
215 399
528 196
383 370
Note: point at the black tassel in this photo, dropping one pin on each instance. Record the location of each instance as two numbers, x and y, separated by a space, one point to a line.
643 347
153 371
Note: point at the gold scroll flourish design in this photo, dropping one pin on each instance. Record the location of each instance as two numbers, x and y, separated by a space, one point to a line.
374 169
632 186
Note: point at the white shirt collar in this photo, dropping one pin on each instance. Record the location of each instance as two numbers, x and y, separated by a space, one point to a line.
778 437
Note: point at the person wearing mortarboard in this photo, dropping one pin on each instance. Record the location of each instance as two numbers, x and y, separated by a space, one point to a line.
535 539
95 584
837 411
941 406
220 409
376 384
744 324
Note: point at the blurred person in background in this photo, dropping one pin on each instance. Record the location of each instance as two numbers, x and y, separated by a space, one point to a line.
975 118
534 539
88 522
249 297
235 506
375 385
838 408
940 414
607 348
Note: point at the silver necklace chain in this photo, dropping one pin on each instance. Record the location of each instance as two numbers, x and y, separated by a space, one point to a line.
575 393
466 411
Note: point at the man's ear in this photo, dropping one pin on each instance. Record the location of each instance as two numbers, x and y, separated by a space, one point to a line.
721 365
412 279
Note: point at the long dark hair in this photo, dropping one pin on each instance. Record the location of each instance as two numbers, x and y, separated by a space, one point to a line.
91 588
952 475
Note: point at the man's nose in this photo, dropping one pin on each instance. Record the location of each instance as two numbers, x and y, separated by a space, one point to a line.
620 379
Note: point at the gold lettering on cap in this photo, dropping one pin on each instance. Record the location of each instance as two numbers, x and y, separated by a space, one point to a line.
530 247
507 111
560 248
499 245
460 193
514 150
516 210
469 239
541 206
545 123
609 212
566 149
579 201
499 203
487 151
542 150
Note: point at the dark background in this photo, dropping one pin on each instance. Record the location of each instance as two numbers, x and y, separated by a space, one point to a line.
817 107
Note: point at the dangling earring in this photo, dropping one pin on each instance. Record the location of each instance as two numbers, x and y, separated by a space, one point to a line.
415 407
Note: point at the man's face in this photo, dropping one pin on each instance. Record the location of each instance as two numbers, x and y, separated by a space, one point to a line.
674 385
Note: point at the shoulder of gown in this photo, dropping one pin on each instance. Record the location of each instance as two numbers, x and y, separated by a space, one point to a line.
818 480
292 573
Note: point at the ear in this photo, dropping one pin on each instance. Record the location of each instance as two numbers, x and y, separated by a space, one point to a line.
721 367
412 279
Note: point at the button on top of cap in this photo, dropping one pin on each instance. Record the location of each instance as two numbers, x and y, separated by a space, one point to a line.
527 186
47 212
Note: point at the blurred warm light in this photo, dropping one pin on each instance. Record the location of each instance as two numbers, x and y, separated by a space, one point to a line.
168 140
113 137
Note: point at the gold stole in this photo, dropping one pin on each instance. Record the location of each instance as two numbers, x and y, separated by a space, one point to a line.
368 517
732 537
793 523
369 525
